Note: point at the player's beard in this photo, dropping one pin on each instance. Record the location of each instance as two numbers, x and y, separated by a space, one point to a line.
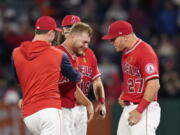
79 51
82 53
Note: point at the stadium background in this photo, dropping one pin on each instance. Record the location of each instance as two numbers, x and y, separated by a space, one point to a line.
155 21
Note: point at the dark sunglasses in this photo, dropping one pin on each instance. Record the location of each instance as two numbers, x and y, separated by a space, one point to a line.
112 40
67 27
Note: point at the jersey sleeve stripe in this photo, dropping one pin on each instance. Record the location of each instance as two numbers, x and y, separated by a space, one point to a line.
152 76
96 76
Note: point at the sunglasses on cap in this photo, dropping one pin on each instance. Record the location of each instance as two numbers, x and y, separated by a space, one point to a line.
67 27
112 40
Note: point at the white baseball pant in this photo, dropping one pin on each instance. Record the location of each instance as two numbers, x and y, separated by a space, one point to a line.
74 120
146 126
45 122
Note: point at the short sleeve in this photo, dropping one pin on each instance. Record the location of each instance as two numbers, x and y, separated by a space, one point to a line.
148 64
68 71
96 73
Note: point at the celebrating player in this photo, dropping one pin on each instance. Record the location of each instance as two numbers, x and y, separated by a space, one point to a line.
74 44
87 65
37 66
141 113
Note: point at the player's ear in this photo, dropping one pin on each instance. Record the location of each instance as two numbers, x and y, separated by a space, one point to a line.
51 35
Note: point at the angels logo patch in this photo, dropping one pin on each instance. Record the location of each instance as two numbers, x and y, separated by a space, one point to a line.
150 68
73 20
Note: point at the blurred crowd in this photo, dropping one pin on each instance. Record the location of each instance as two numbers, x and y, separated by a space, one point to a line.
155 21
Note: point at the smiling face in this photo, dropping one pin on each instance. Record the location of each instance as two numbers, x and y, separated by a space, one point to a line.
80 42
79 36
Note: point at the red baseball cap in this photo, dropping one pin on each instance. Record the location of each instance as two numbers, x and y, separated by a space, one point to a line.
47 23
70 20
118 28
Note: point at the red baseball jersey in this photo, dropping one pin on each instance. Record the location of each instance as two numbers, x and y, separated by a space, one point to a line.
66 87
139 65
87 66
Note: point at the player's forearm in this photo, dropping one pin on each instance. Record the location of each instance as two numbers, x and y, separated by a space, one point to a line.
151 89
98 88
81 98
122 93
149 94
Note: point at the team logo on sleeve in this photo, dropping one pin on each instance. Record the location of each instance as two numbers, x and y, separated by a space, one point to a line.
150 68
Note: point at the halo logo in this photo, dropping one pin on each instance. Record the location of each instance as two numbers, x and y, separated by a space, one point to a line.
150 68
73 20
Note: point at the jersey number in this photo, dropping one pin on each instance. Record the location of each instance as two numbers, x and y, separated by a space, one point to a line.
132 83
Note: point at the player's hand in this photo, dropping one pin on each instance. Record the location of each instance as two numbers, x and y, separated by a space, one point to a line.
101 109
134 117
20 103
90 111
121 102
80 81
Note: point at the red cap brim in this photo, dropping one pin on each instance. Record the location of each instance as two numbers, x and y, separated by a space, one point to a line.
58 29
108 37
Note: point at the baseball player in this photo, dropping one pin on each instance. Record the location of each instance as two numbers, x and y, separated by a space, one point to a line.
87 66
67 23
74 44
141 113
37 66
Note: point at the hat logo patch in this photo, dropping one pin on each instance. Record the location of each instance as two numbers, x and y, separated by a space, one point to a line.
73 20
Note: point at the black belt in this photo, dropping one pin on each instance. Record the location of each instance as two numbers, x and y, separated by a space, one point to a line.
126 103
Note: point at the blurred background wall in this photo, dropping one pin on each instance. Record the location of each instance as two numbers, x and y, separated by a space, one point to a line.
155 21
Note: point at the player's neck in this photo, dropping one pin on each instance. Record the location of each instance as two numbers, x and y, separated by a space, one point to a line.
132 42
68 46
41 38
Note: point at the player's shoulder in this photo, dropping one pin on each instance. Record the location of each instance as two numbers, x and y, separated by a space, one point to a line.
59 47
22 45
16 49
144 47
56 50
89 52
15 52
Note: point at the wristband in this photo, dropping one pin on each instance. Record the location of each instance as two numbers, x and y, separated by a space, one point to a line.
101 100
142 105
